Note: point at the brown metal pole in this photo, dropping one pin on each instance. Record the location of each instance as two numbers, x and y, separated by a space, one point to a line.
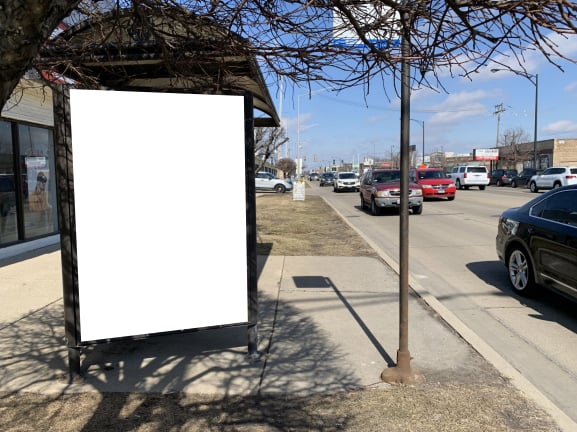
402 372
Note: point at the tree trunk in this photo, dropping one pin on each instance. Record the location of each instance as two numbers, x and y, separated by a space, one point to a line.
24 26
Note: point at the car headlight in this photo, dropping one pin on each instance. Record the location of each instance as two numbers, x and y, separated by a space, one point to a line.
383 194
509 226
427 186
417 192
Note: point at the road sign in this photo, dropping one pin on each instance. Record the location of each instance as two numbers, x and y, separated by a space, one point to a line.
381 24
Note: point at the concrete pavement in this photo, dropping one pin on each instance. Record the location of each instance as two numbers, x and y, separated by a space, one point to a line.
326 324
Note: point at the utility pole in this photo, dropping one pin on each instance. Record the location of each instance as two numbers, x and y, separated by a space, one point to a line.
498 110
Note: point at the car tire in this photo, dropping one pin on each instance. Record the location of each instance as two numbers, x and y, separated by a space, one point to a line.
513 184
279 188
450 198
556 185
481 187
375 210
499 183
520 269
417 210
533 187
458 184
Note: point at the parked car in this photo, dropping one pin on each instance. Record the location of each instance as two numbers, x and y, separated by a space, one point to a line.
346 181
381 189
502 177
465 176
537 242
265 181
327 179
522 179
434 182
553 177
314 176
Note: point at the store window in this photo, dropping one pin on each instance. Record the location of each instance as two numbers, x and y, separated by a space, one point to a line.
38 181
8 219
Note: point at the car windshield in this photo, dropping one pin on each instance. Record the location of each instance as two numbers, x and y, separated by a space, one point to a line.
430 175
387 176
347 175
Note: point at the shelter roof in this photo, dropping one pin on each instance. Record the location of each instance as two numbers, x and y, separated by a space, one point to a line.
164 52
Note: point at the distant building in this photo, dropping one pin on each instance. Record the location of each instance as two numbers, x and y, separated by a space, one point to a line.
551 152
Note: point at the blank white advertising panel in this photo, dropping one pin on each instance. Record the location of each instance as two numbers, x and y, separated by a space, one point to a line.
160 211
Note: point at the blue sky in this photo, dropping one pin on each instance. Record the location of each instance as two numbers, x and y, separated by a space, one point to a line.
345 126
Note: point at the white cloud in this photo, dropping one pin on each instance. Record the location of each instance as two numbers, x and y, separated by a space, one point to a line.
561 127
565 44
572 86
459 106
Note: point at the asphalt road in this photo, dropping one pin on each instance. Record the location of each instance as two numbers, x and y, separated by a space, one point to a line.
452 255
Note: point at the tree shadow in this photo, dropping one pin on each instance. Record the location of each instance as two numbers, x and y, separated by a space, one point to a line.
158 376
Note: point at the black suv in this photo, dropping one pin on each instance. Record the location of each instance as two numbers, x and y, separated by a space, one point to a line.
502 177
522 179
327 179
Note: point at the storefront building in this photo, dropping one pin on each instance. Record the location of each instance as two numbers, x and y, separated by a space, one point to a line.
28 202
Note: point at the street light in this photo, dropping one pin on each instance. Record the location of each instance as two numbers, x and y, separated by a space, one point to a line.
299 115
422 123
535 82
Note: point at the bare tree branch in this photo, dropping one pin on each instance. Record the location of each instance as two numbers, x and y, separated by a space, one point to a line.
296 39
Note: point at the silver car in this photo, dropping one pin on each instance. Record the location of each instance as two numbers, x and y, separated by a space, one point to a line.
265 181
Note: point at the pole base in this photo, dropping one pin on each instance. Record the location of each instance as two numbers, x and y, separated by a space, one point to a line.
402 373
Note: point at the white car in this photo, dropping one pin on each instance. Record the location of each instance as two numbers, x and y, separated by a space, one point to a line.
265 181
465 176
346 181
554 177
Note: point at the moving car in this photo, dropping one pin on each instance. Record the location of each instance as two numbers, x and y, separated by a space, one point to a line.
381 189
537 242
265 181
346 181
327 179
314 176
522 179
465 176
434 182
502 177
554 177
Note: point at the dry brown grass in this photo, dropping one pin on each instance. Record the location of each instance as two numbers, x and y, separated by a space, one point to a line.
289 227
304 228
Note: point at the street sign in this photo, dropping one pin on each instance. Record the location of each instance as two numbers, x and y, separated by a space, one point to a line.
381 24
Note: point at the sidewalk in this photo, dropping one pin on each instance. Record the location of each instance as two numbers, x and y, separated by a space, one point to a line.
326 324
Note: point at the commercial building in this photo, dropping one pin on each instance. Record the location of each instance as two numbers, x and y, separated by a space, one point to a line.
28 201
547 153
